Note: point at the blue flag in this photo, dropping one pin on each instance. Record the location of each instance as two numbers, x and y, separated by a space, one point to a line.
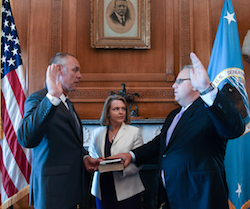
226 66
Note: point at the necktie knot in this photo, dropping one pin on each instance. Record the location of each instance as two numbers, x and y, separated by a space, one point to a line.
180 113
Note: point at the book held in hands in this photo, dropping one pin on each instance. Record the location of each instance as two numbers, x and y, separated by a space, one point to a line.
111 165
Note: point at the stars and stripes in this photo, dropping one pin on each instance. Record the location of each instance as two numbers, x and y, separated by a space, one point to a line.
15 161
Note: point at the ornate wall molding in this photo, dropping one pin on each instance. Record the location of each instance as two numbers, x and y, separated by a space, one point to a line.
185 30
99 94
170 40
123 77
56 26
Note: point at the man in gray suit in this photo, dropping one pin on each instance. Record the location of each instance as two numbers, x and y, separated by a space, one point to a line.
52 128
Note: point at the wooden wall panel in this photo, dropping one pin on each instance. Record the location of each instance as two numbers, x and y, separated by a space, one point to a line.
121 61
39 43
201 32
177 28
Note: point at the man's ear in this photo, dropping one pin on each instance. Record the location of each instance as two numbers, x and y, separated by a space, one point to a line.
59 69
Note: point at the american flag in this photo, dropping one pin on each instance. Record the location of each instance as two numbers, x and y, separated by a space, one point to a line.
15 161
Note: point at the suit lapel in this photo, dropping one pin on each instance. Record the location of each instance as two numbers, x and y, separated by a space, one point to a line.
120 133
183 120
102 140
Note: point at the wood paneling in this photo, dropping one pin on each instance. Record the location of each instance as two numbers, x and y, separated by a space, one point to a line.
177 28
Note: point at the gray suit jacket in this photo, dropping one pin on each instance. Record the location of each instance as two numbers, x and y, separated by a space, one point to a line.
57 153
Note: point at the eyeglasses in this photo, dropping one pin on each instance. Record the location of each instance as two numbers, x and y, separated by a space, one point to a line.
180 80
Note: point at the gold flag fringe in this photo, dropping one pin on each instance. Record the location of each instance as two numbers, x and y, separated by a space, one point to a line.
246 205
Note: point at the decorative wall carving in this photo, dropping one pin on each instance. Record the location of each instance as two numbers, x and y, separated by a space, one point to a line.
150 94
86 135
185 45
56 26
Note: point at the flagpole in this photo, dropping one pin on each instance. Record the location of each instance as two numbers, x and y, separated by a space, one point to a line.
1 125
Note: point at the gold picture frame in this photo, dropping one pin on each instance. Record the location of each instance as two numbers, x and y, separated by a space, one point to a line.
109 32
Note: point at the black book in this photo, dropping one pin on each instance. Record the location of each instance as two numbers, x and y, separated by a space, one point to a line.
111 165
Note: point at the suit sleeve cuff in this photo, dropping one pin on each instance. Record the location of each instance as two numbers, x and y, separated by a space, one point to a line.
54 100
209 97
85 156
133 156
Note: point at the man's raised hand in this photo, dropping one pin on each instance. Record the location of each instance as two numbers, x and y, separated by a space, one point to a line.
53 84
198 75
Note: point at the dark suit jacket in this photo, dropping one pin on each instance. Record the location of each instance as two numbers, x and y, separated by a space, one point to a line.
57 153
114 17
193 161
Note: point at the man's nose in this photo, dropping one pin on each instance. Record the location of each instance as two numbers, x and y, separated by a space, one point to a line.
79 75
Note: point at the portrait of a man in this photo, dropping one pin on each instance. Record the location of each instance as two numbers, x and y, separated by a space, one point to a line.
120 24
121 13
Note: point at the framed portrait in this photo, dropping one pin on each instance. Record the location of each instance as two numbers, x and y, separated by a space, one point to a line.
120 24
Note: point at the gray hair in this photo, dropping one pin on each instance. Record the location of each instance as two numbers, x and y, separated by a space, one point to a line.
60 58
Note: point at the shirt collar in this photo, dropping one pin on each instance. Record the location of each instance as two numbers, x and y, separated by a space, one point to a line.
63 99
120 18
185 108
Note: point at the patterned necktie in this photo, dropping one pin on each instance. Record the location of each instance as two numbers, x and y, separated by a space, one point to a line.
72 112
173 124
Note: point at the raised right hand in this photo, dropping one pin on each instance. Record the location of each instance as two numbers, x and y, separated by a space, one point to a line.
53 84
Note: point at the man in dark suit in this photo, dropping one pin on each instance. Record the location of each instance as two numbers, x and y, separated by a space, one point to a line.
191 159
56 138
121 13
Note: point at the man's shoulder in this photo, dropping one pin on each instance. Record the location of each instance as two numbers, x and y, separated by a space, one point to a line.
40 93
113 16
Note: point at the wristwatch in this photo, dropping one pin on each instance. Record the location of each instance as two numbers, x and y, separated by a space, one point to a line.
210 88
